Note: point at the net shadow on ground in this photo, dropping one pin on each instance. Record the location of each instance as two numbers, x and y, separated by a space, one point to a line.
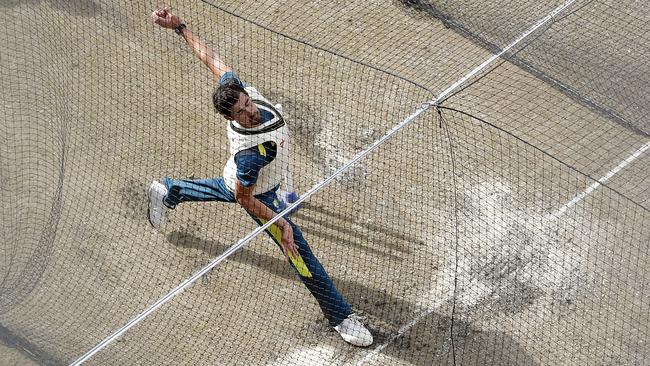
347 231
534 62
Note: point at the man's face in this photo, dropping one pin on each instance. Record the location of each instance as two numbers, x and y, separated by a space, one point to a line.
245 112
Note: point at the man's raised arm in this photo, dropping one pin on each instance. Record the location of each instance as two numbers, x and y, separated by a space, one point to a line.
165 18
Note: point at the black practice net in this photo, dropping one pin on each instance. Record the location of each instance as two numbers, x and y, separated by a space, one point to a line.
469 183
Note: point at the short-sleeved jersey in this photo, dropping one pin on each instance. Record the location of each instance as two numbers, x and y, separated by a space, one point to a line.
250 161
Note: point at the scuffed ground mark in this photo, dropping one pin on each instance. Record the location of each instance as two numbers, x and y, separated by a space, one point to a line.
511 258
134 200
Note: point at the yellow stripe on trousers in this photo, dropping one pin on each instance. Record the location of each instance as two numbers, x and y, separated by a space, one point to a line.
297 261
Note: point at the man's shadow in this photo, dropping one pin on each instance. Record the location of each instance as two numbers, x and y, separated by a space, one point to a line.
368 299
426 343
429 342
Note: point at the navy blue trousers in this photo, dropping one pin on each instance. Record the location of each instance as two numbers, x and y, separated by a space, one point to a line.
308 268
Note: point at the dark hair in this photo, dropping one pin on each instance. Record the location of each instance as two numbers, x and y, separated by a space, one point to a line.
226 96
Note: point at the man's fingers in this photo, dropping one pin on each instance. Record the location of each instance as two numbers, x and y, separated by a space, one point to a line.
294 249
155 16
162 16
288 244
167 13
289 247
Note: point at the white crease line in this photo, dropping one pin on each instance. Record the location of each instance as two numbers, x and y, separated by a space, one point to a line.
602 180
439 301
480 291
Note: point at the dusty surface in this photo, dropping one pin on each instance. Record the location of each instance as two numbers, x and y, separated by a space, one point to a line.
101 102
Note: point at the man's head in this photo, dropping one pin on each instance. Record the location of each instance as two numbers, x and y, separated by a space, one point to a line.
234 103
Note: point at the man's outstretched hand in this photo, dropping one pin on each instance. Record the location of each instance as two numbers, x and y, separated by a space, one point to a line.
164 18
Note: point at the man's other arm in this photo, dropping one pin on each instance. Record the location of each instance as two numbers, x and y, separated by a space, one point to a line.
165 18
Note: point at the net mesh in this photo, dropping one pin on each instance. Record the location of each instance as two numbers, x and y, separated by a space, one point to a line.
507 223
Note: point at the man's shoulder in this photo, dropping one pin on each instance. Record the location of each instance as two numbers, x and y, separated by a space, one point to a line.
254 93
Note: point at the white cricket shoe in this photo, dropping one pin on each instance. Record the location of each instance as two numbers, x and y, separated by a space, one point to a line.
354 332
157 209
